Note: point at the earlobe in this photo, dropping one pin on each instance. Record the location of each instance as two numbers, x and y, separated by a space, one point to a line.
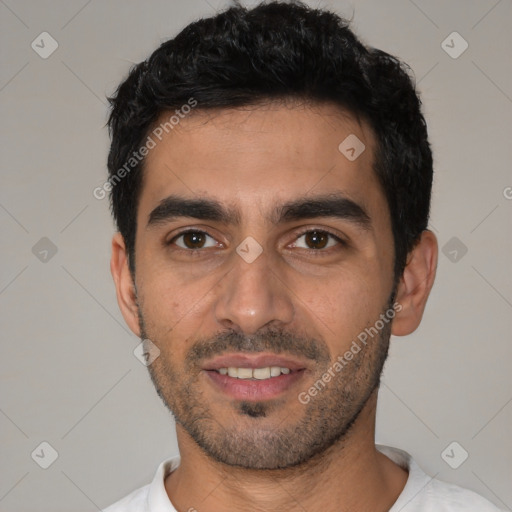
125 288
415 284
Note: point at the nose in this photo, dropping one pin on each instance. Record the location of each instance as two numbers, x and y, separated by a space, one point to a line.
253 296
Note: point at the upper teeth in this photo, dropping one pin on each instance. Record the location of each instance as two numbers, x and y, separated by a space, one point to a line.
254 373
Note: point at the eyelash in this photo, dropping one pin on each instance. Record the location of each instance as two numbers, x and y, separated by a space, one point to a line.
315 252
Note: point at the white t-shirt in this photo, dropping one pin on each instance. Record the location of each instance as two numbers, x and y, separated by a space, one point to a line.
420 494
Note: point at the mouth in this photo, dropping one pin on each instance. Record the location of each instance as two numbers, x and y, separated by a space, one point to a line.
254 377
267 372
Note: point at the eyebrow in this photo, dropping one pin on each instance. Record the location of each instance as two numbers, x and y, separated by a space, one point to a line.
332 205
174 207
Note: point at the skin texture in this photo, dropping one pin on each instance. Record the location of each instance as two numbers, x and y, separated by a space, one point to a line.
293 299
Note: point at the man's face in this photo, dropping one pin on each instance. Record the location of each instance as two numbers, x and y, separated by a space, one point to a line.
267 276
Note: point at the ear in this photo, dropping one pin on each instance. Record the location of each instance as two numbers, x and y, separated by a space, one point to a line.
415 285
125 288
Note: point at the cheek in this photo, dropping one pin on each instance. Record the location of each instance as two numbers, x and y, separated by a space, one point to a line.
173 306
346 304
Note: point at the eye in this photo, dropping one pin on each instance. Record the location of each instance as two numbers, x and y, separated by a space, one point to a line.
190 240
317 239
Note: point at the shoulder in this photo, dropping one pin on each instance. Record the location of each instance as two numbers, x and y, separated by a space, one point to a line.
136 501
445 497
151 497
423 493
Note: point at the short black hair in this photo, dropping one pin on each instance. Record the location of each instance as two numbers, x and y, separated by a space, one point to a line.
277 51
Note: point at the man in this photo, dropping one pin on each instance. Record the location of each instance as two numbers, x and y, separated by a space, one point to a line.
270 178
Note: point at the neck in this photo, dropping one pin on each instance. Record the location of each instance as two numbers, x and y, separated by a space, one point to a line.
350 476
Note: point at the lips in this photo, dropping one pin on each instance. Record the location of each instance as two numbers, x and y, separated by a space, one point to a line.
254 361
253 389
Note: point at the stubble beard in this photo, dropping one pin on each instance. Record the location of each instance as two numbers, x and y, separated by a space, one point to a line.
253 443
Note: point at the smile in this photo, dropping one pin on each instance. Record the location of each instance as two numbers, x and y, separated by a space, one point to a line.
254 373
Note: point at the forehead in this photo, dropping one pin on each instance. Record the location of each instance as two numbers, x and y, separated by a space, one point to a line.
250 157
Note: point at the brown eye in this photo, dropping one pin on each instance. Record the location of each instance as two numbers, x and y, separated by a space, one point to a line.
316 240
194 240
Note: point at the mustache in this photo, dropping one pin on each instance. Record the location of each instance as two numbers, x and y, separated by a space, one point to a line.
271 340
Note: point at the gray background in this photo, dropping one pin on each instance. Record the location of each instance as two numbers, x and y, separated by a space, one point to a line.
68 373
